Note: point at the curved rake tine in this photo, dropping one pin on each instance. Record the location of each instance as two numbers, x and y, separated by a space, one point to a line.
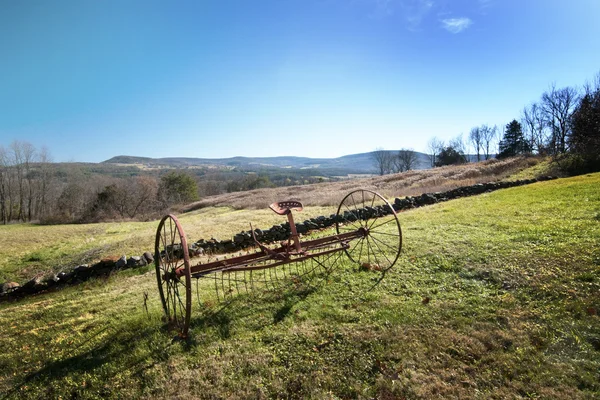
223 286
216 287
269 279
284 277
197 290
276 278
235 281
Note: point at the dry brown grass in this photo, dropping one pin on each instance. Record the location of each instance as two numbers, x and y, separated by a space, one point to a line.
395 185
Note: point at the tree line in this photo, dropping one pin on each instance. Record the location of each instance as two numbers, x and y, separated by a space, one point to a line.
564 123
389 162
34 188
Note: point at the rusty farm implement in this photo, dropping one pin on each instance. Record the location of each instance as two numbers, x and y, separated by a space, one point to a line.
367 230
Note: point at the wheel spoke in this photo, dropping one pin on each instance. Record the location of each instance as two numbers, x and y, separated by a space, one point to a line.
383 223
356 210
380 251
384 243
360 252
351 248
355 214
386 234
372 251
383 239
175 290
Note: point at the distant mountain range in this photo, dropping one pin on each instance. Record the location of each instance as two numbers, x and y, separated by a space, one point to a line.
351 164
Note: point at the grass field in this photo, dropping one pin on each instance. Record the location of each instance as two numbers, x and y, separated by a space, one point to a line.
494 296
29 249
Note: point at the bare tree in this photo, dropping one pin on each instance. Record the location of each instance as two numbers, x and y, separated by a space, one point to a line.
557 106
44 182
383 161
29 155
17 165
72 202
132 196
458 144
534 125
434 146
488 134
3 184
406 160
475 136
145 189
499 133
584 140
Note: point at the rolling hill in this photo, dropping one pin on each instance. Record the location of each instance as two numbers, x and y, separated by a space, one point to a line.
361 163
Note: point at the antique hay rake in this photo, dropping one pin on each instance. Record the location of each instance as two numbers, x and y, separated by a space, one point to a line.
367 230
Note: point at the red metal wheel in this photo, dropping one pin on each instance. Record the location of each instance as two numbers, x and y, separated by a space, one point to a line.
379 247
172 262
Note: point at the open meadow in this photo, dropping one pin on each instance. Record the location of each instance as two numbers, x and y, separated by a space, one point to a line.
30 249
494 296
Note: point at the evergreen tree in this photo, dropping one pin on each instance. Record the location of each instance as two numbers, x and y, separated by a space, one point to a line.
177 188
449 156
585 137
513 142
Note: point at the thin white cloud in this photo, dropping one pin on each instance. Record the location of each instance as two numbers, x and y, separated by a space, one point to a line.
412 12
456 25
383 8
485 3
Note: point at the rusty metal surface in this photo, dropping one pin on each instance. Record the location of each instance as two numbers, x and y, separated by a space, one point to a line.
174 256
361 235
286 207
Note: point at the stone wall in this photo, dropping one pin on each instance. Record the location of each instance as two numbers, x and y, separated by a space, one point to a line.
242 240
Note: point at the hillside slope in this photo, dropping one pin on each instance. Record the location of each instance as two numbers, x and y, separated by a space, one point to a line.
31 249
495 296
394 185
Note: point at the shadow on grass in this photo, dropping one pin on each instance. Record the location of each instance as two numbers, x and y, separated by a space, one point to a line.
242 307
128 351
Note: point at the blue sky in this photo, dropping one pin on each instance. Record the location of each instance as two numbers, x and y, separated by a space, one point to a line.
316 78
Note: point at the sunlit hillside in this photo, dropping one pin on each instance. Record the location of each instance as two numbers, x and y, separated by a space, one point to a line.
393 185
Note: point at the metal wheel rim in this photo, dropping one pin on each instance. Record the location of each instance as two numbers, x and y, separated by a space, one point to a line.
171 253
381 247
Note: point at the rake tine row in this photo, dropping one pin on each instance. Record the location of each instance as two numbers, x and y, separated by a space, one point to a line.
370 238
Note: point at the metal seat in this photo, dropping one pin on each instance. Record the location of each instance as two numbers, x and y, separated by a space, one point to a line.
285 207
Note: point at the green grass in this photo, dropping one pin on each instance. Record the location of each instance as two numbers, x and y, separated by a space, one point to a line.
29 249
538 167
494 297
